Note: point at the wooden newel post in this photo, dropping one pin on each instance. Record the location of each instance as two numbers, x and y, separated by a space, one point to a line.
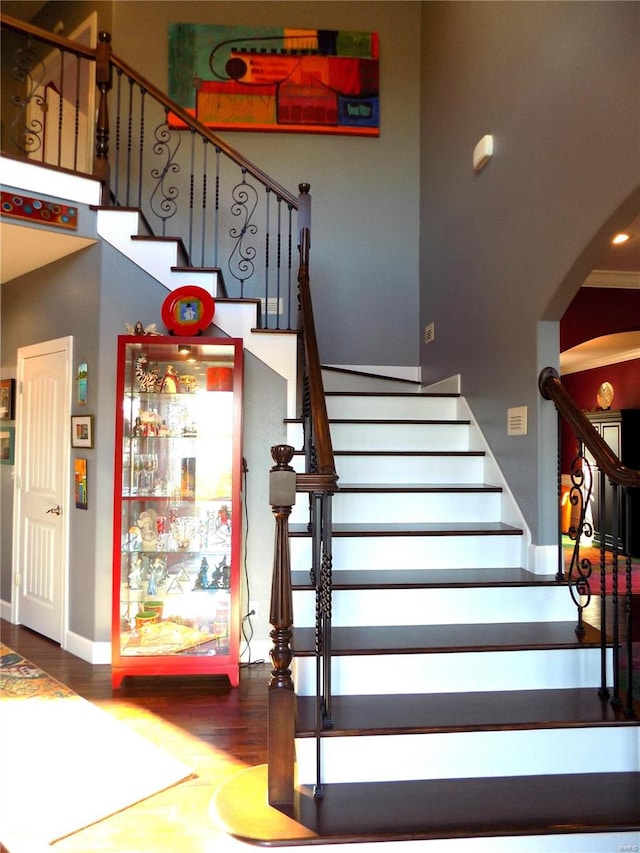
282 698
101 166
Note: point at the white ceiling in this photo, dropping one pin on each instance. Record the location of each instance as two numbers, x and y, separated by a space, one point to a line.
21 252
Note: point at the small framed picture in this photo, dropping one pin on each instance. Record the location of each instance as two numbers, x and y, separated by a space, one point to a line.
7 399
7 445
81 430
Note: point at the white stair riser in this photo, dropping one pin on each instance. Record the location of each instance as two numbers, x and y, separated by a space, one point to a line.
439 606
409 469
471 754
442 672
403 436
414 552
424 408
398 507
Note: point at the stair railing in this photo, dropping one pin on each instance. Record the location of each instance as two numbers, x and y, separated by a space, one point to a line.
622 480
319 481
151 154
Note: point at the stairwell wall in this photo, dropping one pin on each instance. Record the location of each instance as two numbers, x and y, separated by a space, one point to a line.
504 251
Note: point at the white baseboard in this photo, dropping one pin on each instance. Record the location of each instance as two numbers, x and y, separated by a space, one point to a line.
89 650
5 610
543 559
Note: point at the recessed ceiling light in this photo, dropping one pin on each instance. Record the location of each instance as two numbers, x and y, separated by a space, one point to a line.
620 238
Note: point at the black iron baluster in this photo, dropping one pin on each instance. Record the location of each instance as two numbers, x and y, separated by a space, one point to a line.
245 200
203 229
267 248
76 124
116 183
143 92
60 108
129 142
616 702
290 267
191 191
604 688
278 262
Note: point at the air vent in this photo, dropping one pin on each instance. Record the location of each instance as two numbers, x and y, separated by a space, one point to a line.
271 305
517 421
429 333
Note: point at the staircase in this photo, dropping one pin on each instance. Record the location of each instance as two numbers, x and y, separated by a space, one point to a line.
464 708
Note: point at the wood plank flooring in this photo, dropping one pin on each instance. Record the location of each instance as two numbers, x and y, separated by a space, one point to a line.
199 719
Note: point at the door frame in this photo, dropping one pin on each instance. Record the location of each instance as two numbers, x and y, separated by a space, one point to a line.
33 351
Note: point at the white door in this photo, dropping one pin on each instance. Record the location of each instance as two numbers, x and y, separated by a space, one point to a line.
41 516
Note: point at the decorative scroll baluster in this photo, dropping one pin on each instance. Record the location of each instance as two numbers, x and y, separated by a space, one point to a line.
580 569
25 130
163 198
615 699
604 688
282 699
245 200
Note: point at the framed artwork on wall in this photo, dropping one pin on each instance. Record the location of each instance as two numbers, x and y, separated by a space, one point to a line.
82 431
7 399
276 78
7 445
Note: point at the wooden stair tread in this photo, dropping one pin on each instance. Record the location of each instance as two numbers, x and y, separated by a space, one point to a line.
401 421
441 528
411 395
406 452
431 639
430 809
447 712
422 578
418 487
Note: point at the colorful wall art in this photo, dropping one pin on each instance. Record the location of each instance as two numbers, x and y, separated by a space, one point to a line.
276 79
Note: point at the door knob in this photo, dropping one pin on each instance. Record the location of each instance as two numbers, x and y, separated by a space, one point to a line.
55 510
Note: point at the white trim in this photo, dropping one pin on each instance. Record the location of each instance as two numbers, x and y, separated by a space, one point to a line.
543 559
602 361
32 177
5 610
451 385
511 512
383 371
626 279
89 650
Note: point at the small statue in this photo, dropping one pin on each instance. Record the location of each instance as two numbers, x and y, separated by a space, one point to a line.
139 329
170 381
148 529
202 579
135 573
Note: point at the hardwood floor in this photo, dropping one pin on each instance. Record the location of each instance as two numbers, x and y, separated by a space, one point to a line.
216 729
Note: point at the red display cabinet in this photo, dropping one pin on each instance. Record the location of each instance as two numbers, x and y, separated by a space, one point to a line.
177 513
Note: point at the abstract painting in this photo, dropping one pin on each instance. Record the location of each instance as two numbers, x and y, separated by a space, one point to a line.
276 79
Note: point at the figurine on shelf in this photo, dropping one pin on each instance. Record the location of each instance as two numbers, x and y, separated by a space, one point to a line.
220 577
139 329
202 579
147 373
157 572
148 529
135 573
170 381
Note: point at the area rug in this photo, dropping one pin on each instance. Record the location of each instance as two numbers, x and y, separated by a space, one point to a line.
592 553
65 763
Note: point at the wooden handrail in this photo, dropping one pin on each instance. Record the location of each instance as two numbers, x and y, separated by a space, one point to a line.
326 478
47 37
551 388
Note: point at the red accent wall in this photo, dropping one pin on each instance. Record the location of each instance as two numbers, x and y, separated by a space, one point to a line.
597 311
583 387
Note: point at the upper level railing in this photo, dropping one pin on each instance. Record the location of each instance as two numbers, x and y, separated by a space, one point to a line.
87 110
615 547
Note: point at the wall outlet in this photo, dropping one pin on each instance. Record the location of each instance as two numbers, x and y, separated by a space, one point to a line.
253 605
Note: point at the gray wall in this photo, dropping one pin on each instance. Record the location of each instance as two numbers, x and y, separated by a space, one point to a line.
557 84
91 296
365 191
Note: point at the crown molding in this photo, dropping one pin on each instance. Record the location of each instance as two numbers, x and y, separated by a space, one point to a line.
613 278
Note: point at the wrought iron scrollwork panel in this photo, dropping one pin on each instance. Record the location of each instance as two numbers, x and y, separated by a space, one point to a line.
164 196
26 131
580 568
241 260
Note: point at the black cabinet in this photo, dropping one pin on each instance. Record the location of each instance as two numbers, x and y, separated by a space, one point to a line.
621 431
